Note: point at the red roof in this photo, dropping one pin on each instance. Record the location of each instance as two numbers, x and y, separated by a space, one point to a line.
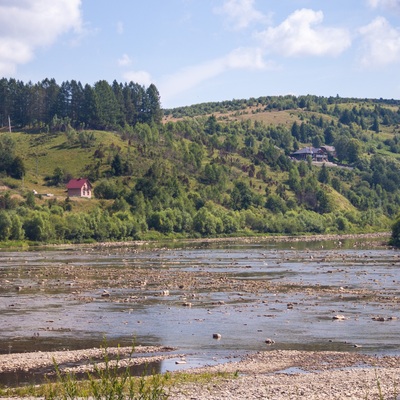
78 183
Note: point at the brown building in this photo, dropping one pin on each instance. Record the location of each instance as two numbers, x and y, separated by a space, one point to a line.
320 154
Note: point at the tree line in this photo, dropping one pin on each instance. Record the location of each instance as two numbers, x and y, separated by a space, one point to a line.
321 104
48 105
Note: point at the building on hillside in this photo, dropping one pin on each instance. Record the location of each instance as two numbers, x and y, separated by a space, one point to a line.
79 188
320 154
330 150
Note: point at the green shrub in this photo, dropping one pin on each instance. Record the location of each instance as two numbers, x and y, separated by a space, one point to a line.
111 382
395 238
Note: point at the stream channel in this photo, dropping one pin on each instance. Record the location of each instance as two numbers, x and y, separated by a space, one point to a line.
182 293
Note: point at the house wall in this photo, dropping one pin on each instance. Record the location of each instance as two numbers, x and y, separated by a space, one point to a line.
86 191
74 192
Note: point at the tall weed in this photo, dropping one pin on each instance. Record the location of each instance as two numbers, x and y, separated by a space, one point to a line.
109 381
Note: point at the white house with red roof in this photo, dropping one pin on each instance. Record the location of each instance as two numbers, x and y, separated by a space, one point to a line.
79 188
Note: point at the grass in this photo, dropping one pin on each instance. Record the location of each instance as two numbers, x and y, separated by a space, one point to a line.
111 381
380 391
286 117
42 153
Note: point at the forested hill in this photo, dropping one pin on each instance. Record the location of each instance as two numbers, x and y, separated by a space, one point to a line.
210 169
310 103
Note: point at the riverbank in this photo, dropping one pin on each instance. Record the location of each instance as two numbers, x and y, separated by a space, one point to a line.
385 236
43 359
282 375
274 374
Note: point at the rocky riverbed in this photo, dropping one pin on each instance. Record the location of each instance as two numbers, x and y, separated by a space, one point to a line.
274 374
286 375
38 360
265 298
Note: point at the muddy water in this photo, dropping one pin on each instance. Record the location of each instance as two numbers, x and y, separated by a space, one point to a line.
246 291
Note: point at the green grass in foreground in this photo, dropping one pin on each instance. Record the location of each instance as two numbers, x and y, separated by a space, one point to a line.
112 382
109 386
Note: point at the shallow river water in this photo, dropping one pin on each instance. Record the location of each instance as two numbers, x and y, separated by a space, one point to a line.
288 292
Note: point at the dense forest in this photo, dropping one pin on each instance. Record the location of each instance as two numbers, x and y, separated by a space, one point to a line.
211 169
47 105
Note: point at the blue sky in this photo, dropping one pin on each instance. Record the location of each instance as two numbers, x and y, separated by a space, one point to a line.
208 50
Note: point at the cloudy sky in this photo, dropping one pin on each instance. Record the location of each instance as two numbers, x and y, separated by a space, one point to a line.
208 50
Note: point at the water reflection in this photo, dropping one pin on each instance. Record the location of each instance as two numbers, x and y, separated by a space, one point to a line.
46 375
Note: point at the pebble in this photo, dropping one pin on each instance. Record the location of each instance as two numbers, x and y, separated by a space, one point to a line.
339 317
217 336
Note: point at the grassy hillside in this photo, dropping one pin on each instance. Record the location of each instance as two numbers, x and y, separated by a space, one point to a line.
43 153
218 168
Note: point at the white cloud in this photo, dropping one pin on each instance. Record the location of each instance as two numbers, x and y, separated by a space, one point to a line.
301 34
124 61
381 43
141 77
240 13
244 58
26 25
388 4
190 77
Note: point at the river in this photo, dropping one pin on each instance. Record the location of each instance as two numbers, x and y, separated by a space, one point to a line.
321 295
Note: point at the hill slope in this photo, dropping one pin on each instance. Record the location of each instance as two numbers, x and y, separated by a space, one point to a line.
210 169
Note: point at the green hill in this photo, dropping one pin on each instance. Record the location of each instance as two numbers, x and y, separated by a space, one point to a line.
207 170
